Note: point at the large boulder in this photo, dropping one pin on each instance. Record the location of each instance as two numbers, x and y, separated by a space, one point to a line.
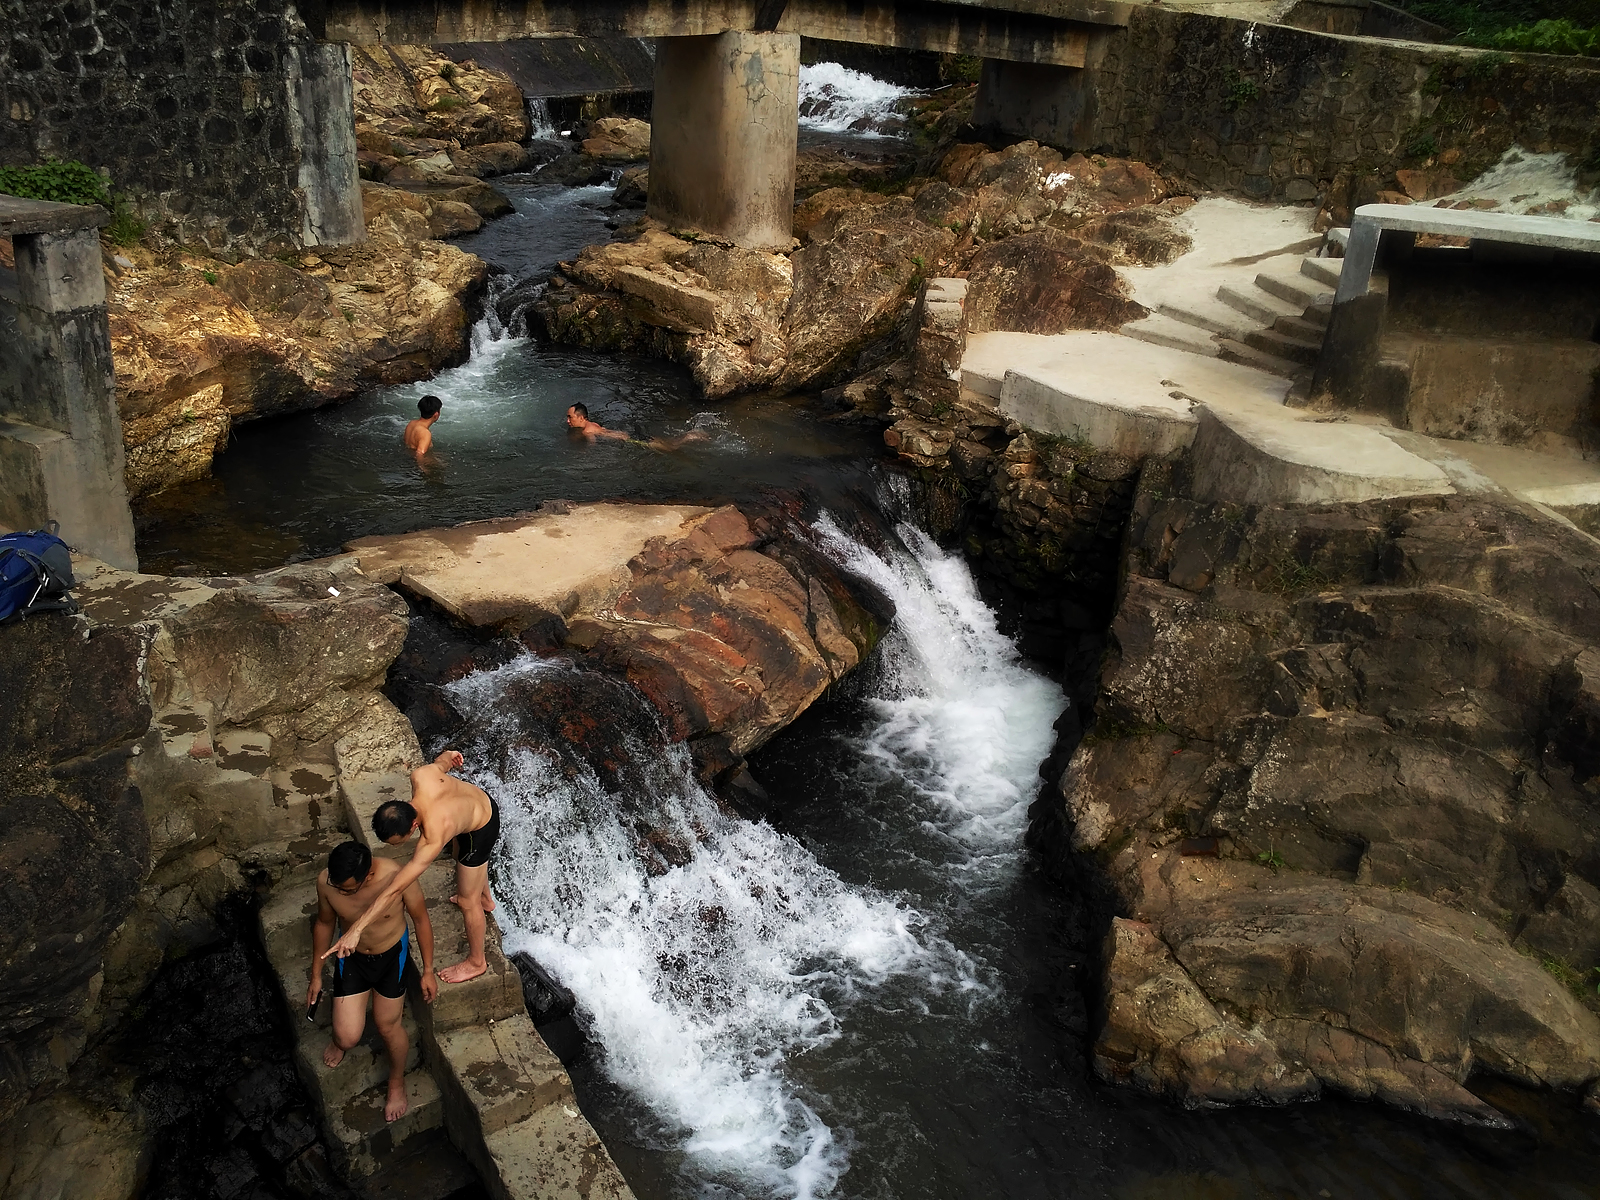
1342 776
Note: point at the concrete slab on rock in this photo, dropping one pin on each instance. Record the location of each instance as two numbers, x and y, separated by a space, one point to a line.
1129 397
518 568
1261 454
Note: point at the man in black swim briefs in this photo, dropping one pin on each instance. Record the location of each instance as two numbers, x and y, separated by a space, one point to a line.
445 812
352 889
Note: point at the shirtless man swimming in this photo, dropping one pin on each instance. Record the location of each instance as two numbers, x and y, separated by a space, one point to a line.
578 421
355 889
419 433
446 812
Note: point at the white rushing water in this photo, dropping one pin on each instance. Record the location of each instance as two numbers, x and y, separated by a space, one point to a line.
701 983
835 99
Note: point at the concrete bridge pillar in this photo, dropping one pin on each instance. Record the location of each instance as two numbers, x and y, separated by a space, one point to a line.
61 453
722 136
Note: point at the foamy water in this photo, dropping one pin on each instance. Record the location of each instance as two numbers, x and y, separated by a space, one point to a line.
705 985
835 99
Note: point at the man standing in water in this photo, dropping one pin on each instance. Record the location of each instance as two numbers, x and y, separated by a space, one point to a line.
446 812
419 433
354 888
578 421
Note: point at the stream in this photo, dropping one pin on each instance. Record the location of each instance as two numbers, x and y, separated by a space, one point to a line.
875 994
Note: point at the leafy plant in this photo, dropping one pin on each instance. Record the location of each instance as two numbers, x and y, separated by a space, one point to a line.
56 180
1270 858
1424 145
1238 91
448 72
210 277
447 103
1547 37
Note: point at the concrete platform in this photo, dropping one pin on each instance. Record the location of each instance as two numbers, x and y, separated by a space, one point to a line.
1258 454
1131 397
518 568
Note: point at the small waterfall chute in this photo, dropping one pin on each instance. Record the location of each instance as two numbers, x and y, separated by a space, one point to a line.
836 99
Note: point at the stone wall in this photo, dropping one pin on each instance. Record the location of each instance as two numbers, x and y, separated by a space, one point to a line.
219 120
1271 112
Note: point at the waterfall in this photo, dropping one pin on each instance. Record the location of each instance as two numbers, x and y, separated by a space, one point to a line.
835 99
541 128
709 953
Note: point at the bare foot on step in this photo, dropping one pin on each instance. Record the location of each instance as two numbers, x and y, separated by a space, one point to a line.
463 971
332 1056
488 901
397 1105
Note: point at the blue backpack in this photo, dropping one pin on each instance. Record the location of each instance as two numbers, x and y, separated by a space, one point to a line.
35 574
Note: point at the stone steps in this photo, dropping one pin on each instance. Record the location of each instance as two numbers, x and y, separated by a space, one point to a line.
1260 305
1282 346
1158 329
1249 356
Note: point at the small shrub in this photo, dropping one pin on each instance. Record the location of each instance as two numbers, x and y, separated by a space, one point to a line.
1542 37
448 72
58 181
1424 145
1238 91
210 277
1270 858
447 103
1292 575
125 228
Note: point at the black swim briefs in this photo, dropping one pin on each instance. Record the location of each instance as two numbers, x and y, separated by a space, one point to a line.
472 849
384 973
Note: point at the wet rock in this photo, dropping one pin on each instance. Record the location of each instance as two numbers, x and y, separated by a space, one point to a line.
618 138
68 1146
633 187
1045 282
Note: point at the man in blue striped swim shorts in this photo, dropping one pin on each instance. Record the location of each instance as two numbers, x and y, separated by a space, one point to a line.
347 891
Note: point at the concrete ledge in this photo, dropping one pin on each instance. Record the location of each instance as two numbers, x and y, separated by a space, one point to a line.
1259 455
1159 424
21 217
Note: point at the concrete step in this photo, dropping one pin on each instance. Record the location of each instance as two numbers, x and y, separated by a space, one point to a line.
1280 345
1210 314
1260 306
503 1070
365 1065
1295 291
363 795
1160 330
492 996
245 750
1325 271
1237 352
363 1141
1319 315
1300 329
554 1153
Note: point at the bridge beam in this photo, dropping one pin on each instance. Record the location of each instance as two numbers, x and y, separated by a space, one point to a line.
722 136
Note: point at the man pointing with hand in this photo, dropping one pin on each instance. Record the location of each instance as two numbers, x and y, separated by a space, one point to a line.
446 812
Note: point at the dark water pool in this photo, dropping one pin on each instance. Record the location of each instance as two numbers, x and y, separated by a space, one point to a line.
303 485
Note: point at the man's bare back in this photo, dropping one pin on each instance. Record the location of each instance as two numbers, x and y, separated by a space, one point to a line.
419 437
386 925
446 806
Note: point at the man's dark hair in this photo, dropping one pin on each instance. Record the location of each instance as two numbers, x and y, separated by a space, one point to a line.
429 405
393 819
581 409
349 860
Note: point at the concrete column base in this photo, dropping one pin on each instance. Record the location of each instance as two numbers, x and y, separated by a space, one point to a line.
61 456
722 136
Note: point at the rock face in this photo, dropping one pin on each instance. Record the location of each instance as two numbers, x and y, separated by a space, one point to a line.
175 737
1036 233
1343 788
199 345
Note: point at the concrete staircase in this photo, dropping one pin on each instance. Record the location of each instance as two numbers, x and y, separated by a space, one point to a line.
477 1068
1272 318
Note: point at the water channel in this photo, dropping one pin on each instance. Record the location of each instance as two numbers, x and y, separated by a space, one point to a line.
874 995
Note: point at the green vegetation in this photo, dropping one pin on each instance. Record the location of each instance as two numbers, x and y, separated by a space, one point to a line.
1238 91
447 103
1580 983
1424 145
210 277
61 182
960 68
1270 858
1292 575
74 183
448 72
1538 26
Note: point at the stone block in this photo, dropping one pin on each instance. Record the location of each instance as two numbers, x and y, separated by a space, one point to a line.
503 1071
60 272
554 1155
248 751
492 996
363 795
363 1140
